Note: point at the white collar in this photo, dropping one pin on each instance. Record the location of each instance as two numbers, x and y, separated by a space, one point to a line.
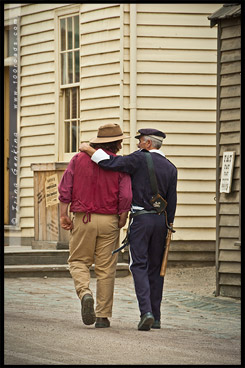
154 150
157 151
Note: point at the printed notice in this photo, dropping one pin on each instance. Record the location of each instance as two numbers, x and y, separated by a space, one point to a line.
51 190
227 171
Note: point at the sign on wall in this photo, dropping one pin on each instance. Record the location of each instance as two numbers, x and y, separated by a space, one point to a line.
51 190
227 171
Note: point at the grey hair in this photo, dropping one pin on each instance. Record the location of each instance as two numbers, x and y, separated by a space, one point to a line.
155 142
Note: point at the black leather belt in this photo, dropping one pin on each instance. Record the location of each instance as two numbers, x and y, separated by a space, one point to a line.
143 212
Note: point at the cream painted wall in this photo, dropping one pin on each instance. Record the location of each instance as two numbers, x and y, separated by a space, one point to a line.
175 92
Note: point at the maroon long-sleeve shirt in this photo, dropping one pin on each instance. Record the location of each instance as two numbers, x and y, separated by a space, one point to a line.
92 189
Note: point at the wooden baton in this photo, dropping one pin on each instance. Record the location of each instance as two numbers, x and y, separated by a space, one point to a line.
165 255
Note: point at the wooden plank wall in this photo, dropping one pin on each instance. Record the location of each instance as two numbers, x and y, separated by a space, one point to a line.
100 67
100 84
228 221
176 93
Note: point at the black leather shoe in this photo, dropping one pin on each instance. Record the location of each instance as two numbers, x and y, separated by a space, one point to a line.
87 310
156 324
146 322
102 322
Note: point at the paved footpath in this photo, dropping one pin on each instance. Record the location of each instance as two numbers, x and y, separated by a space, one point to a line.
43 326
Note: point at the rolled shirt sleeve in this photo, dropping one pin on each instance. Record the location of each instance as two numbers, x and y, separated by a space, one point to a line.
125 193
66 184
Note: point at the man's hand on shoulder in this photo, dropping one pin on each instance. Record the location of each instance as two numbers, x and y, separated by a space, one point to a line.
85 147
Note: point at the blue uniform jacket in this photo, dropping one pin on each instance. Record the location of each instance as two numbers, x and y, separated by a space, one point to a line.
136 166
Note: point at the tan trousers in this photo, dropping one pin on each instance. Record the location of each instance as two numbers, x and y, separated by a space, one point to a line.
91 243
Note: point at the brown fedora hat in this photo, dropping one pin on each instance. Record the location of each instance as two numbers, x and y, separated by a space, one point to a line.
109 133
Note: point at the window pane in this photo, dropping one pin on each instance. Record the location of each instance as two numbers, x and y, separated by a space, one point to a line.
74 103
67 137
76 32
67 104
77 66
63 68
70 68
63 34
69 30
74 136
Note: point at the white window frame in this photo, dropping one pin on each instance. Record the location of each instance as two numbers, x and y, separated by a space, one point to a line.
61 155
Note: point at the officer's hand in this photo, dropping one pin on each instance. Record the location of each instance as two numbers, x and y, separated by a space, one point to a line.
66 223
84 147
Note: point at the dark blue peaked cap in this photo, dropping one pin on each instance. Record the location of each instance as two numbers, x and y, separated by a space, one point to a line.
150 132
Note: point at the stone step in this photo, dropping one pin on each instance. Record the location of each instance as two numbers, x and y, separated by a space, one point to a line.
36 257
53 270
20 255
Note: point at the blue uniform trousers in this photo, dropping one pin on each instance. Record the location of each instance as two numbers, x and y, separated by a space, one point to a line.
147 243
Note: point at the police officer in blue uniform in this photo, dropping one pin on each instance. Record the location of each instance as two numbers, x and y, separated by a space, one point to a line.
147 232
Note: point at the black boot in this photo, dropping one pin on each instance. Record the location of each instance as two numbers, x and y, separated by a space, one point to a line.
102 322
146 322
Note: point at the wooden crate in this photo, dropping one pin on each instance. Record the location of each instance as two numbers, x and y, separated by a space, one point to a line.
47 231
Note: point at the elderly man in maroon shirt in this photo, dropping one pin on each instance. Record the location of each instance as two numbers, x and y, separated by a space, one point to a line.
100 201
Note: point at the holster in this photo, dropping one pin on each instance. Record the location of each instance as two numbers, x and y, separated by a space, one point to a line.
159 203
